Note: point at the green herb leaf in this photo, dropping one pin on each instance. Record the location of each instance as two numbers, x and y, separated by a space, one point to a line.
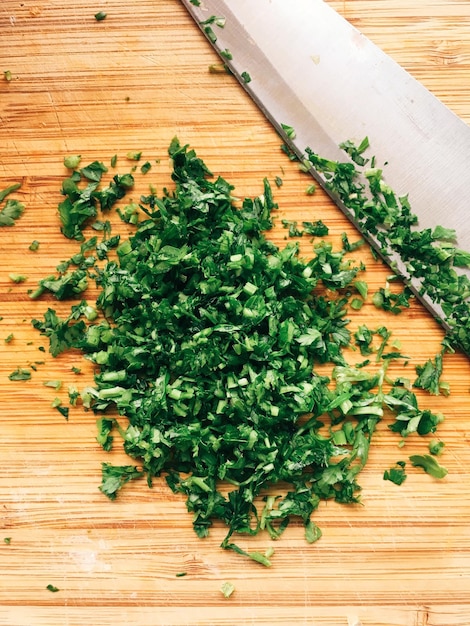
429 465
72 162
227 589
429 376
12 210
21 373
396 474
114 477
436 447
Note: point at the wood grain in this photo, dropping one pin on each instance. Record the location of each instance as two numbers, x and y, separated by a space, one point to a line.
132 82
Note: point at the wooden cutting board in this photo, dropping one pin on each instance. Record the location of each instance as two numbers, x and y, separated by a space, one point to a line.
130 83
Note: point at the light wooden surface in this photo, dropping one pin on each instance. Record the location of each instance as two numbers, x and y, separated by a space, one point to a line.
132 82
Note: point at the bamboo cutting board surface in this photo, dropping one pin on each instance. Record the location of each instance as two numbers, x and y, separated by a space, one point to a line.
131 83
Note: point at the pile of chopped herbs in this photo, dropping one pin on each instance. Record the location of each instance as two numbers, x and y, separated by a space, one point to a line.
207 340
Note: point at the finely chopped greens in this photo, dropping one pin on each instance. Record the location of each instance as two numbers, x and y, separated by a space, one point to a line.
430 256
208 344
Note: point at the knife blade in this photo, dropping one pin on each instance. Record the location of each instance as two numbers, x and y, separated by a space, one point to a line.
309 69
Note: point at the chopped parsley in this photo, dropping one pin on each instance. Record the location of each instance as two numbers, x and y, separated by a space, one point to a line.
17 278
393 302
55 384
134 156
73 161
214 19
226 54
436 447
145 167
12 209
396 474
207 344
21 373
114 477
430 256
227 589
429 464
429 376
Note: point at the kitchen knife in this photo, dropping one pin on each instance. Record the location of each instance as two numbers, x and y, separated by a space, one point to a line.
309 69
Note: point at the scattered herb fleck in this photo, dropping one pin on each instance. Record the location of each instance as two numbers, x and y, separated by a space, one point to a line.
436 447
355 152
429 376
291 225
214 19
146 167
362 288
52 588
210 34
72 162
218 68
115 476
396 474
55 384
227 589
429 464
315 229
104 437
21 373
12 209
100 16
356 304
17 278
390 301
226 54
289 131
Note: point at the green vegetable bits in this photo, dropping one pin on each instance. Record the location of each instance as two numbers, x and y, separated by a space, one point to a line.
208 345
